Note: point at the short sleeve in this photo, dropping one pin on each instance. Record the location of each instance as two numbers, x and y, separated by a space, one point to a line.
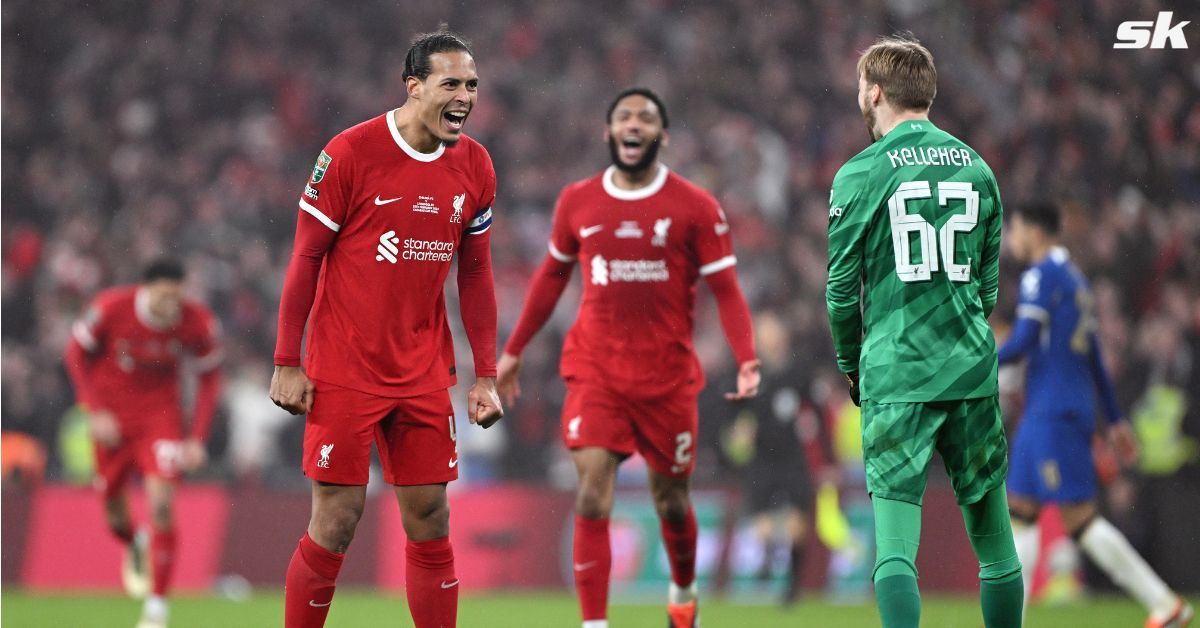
481 217
564 245
1036 295
328 191
711 240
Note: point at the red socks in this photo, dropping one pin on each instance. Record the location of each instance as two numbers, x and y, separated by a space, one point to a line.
593 562
308 591
162 556
431 584
680 542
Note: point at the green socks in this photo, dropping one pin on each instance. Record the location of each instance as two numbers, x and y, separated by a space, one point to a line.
897 535
1001 591
899 601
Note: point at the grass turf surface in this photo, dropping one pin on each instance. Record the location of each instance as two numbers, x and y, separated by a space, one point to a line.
359 609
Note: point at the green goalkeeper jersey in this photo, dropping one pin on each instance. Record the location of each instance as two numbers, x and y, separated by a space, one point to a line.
914 234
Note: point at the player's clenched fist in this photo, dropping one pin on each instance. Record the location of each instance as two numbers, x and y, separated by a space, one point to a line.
291 389
103 427
483 403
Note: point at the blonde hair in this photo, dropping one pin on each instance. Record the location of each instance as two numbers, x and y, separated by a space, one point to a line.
903 69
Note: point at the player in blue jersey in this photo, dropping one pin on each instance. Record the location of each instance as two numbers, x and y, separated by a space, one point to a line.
1051 458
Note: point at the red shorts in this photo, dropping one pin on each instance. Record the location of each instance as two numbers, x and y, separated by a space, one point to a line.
663 430
155 452
415 437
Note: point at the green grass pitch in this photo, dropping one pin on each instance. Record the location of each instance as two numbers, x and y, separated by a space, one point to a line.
364 609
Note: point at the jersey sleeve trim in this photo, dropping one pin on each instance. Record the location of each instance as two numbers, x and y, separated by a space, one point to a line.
481 223
718 266
84 337
319 215
559 255
1034 312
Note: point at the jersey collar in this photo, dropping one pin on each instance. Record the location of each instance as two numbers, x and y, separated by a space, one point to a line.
634 195
412 152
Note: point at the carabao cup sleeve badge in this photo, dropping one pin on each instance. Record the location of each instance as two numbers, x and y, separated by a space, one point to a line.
323 161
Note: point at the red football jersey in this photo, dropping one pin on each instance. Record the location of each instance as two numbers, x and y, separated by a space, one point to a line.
134 371
379 324
642 251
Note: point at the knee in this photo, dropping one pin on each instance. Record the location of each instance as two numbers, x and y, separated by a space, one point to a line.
334 525
161 514
673 505
592 501
430 521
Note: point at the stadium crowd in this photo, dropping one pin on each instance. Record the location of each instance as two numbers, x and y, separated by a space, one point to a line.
152 127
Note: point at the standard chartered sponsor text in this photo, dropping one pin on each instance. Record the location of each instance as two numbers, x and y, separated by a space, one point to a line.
638 270
427 250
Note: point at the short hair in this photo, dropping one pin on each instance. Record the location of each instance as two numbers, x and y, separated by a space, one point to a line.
164 268
416 63
903 69
1044 215
639 91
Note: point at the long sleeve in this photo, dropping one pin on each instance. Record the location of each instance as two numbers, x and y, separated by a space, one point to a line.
312 241
735 313
848 221
1021 341
1104 385
477 299
544 291
989 263
79 368
208 394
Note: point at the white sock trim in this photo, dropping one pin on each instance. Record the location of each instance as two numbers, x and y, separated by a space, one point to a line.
681 595
1109 549
596 623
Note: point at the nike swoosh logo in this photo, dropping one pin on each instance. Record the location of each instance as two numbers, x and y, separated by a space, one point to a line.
447 585
453 463
721 228
313 603
585 232
581 567
380 201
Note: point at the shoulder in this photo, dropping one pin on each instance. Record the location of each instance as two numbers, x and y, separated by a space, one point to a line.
114 298
198 317
683 188
1031 282
858 168
583 189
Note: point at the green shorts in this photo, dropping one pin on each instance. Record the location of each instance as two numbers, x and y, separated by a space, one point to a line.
899 440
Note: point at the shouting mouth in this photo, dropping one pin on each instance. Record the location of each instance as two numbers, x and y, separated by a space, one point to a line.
631 148
454 120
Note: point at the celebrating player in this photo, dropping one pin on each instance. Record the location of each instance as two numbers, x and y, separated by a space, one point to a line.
388 204
123 358
1052 454
914 227
645 235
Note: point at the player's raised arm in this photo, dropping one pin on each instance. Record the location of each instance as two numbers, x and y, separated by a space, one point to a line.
848 222
545 289
322 209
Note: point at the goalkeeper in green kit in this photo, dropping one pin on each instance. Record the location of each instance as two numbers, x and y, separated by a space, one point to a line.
914 250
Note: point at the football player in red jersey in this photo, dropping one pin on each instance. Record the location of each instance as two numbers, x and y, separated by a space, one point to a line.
123 358
388 204
645 235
